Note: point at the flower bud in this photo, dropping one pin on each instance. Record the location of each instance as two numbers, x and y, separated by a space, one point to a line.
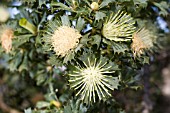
95 6
4 14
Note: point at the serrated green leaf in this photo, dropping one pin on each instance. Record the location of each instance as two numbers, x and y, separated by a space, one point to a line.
114 82
83 11
42 104
24 64
21 39
163 6
142 3
119 47
69 57
28 110
54 61
99 15
40 77
85 39
67 109
65 20
146 60
61 6
15 62
41 2
80 24
96 40
105 3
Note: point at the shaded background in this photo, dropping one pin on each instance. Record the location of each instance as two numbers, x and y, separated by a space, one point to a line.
18 93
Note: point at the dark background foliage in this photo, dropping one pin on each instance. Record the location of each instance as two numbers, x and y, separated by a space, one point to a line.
24 89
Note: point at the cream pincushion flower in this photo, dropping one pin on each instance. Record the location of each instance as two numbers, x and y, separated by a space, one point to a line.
64 40
6 37
62 37
93 80
142 40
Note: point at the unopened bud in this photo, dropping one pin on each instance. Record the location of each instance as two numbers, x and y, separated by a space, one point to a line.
95 6
4 14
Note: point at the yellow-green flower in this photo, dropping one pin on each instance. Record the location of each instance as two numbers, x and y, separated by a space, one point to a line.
6 36
93 80
119 27
142 39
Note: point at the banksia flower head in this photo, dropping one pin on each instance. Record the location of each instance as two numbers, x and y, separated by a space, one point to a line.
6 36
61 37
142 39
118 27
65 39
4 14
92 80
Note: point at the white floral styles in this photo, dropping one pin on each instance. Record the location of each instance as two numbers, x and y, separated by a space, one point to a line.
64 40
119 27
92 80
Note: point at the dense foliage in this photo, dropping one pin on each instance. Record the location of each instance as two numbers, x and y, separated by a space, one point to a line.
78 53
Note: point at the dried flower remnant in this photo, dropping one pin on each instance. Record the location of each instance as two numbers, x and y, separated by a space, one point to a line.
93 79
64 40
6 39
142 39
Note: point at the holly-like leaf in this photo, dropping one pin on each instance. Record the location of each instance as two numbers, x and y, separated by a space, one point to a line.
142 3
15 61
21 39
65 20
99 15
105 3
163 6
75 106
67 109
42 104
27 1
80 24
119 47
114 82
41 2
69 57
24 65
28 110
96 40
146 60
54 61
60 6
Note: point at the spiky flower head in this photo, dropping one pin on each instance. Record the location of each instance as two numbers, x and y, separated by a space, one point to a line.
93 80
61 38
4 14
65 39
142 39
119 27
6 36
